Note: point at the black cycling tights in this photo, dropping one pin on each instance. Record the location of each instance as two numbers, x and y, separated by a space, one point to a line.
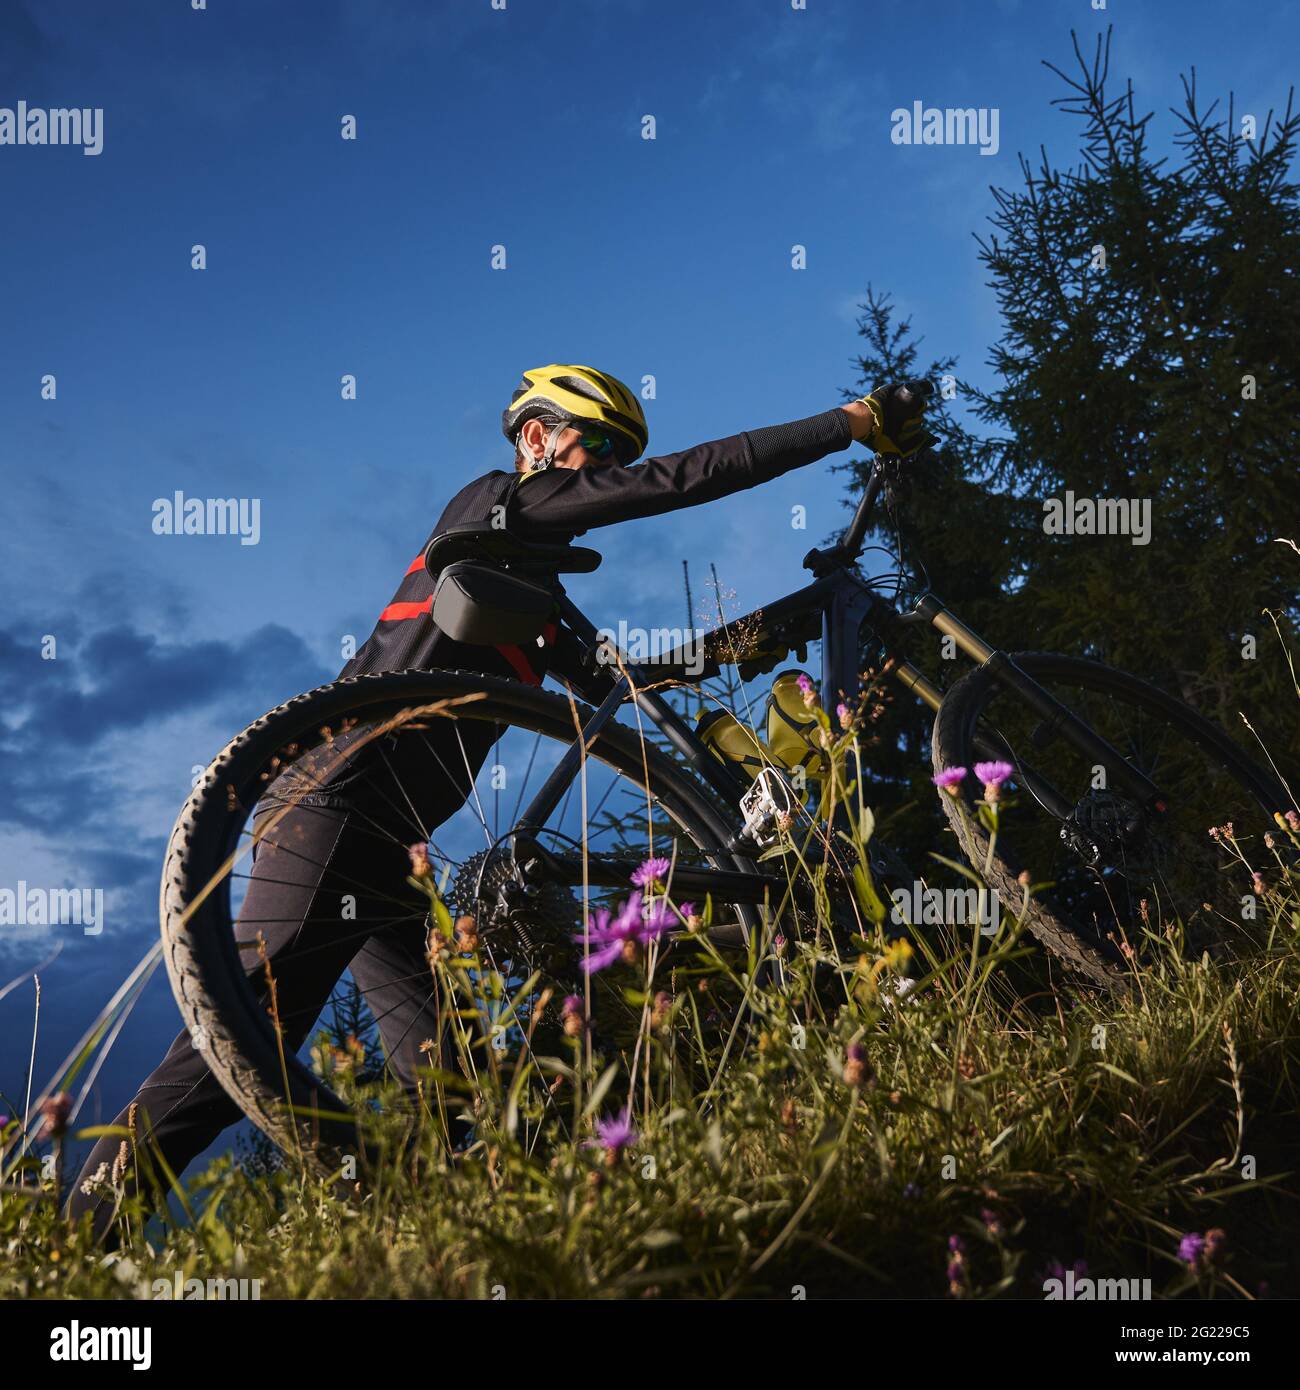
313 856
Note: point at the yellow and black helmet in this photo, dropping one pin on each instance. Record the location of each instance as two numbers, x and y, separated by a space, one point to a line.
569 393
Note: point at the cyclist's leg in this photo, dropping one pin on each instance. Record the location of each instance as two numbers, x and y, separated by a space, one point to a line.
311 859
181 1108
391 969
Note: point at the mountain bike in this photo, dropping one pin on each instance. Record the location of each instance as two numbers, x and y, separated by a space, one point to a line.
1115 784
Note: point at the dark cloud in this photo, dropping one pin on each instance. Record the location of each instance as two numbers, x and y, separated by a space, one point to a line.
122 680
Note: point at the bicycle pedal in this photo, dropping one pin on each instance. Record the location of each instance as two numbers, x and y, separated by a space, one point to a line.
769 800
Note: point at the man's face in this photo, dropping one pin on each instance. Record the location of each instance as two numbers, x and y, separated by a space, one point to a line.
569 452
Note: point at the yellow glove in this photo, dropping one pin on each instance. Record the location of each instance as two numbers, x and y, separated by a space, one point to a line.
899 412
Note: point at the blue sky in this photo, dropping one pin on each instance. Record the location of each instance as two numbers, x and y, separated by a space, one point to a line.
476 127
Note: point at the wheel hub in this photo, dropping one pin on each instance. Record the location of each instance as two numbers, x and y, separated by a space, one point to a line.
520 919
1105 827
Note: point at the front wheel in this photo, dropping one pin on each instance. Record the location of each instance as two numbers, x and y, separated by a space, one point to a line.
1098 915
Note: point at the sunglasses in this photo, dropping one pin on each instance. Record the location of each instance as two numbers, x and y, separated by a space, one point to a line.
596 442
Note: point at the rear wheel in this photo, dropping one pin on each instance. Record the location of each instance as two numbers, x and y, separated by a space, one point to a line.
1096 915
387 748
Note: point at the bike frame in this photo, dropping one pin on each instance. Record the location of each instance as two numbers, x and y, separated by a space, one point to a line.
837 607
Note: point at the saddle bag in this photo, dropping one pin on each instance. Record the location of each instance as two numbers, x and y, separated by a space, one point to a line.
488 607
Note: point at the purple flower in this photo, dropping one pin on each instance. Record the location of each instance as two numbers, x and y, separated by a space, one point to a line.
652 871
1191 1247
613 1135
620 936
572 1004
687 909
957 1245
911 1190
804 682
993 774
949 778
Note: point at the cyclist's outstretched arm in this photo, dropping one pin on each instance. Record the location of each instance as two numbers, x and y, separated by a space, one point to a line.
573 500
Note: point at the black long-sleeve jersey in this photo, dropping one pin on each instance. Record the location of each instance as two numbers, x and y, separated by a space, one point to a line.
560 504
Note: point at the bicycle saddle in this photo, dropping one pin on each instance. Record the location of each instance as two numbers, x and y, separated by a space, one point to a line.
491 545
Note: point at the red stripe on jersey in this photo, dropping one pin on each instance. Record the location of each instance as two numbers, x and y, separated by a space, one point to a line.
396 612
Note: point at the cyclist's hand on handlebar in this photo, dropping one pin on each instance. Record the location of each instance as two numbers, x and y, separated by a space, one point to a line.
899 414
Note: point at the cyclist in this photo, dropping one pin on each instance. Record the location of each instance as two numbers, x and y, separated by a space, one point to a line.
576 433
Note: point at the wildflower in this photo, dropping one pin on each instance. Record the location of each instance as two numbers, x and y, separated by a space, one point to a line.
807 689
54 1116
467 934
911 1191
784 822
694 921
1269 841
420 866
652 871
437 944
1221 831
1293 820
1191 1248
993 775
613 1136
779 944
1023 878
663 1003
623 936
958 1278
95 1180
856 1071
844 714
992 1223
1257 881
1216 1239
574 1023
949 779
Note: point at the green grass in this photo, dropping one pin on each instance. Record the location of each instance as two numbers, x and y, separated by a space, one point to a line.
1087 1129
